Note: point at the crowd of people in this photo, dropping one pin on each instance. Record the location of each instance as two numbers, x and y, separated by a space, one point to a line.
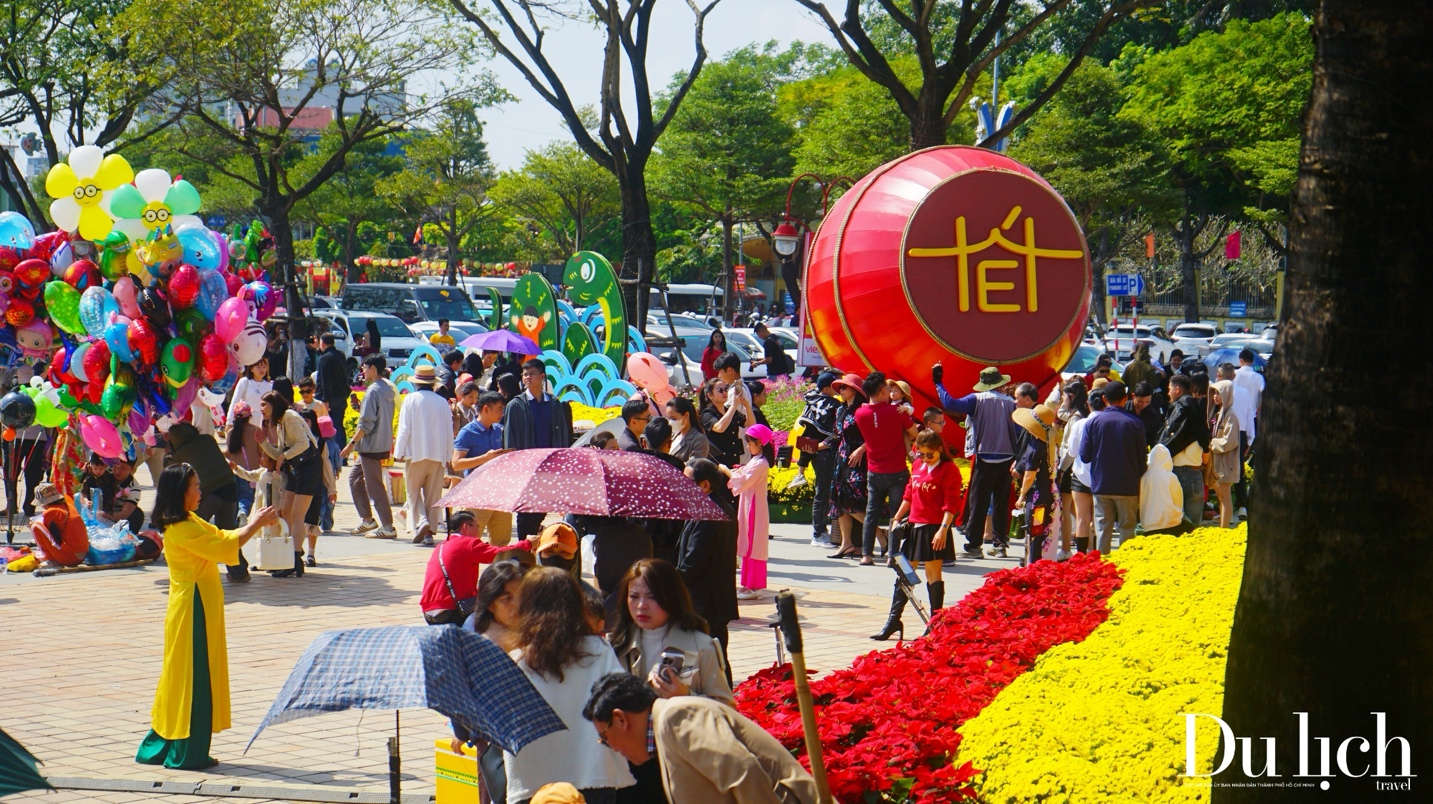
634 661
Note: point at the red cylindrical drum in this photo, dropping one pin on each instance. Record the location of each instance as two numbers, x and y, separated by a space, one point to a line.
953 254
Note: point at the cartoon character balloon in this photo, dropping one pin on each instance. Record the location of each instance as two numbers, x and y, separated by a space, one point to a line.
84 190
154 202
248 348
101 436
260 298
34 338
176 362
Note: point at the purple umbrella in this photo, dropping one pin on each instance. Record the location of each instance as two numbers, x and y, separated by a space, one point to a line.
595 482
502 340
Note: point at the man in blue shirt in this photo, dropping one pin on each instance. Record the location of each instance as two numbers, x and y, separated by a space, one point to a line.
1114 448
992 432
478 442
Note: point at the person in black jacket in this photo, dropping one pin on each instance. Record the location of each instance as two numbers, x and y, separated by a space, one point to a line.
334 383
219 489
1186 436
706 555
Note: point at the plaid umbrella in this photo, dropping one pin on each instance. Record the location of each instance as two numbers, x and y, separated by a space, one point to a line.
594 482
17 768
455 672
502 340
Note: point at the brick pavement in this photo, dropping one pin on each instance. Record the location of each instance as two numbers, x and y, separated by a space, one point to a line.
88 676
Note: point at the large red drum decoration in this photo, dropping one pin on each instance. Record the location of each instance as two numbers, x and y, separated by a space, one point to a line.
953 254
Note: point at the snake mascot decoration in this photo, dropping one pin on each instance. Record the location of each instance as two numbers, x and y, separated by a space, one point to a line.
590 280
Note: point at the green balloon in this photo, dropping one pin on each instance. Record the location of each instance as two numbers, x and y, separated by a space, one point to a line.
192 324
176 362
63 303
47 414
113 258
119 393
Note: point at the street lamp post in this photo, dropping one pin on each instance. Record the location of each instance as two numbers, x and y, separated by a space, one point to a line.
787 239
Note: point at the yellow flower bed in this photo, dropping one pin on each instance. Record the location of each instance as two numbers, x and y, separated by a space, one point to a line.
1100 720
581 412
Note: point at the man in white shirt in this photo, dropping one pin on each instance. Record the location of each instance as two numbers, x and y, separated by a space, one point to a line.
1248 393
424 443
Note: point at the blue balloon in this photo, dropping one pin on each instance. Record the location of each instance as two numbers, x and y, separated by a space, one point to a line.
16 231
224 383
97 305
200 250
212 293
117 336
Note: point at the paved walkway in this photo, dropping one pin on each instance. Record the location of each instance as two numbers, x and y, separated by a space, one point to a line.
83 652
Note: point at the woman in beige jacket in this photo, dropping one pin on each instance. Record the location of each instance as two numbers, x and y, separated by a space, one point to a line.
655 617
1224 447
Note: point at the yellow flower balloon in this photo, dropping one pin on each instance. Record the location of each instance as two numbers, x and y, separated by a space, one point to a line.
82 190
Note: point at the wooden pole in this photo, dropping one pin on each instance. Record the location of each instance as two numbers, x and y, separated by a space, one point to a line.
791 630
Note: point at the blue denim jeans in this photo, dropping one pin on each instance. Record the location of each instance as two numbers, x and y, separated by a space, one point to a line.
1191 481
883 497
246 498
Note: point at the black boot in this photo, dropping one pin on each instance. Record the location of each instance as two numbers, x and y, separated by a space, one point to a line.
935 591
893 622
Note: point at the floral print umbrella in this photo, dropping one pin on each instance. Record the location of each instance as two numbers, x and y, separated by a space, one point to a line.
591 482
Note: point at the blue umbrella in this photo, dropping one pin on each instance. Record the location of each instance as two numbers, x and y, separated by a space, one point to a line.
502 340
455 672
1218 356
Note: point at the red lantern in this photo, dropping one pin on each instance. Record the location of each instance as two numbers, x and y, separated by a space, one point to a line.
952 254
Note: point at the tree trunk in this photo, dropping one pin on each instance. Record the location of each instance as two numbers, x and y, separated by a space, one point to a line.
19 191
1335 613
275 213
727 263
1188 268
928 126
639 247
350 247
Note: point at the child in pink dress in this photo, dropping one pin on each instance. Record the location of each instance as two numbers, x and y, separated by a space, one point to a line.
753 522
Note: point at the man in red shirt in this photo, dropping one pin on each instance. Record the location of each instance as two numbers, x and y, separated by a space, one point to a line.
885 428
452 576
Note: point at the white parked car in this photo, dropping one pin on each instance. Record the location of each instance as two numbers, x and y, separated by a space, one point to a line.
397 340
1121 341
746 338
1226 340
1188 338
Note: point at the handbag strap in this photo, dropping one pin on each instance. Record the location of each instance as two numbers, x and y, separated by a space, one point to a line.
446 580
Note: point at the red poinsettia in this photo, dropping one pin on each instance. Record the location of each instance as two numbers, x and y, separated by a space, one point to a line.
888 722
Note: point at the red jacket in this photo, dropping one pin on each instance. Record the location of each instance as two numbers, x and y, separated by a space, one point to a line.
464 557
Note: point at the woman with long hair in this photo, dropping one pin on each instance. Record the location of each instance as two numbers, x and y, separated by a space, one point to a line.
657 615
848 482
295 450
753 520
191 701
716 347
1077 504
688 440
560 655
722 424
1223 447
932 502
656 620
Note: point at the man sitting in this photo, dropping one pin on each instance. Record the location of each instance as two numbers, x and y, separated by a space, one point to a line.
61 533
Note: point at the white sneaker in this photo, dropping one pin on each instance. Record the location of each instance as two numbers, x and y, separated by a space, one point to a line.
1242 513
366 526
386 533
747 594
798 481
1061 555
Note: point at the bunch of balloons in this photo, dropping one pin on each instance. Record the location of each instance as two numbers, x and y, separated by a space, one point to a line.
134 304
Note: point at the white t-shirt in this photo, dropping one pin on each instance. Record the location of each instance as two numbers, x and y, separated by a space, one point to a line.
1249 392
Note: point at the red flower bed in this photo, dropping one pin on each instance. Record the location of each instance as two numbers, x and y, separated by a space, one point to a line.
888 722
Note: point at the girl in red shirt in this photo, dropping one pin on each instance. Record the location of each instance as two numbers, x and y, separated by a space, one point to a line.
932 501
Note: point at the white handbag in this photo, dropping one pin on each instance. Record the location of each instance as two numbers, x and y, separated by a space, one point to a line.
276 544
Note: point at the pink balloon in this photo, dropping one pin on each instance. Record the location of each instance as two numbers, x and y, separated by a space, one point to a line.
230 318
648 373
124 293
185 396
223 243
100 435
